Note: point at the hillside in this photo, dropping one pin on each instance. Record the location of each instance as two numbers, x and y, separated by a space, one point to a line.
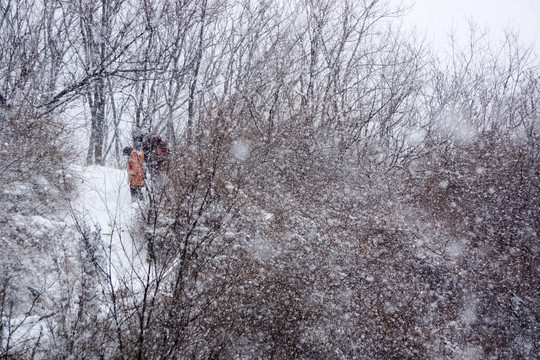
326 186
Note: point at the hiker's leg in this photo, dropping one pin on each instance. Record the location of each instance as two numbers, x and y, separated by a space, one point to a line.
140 193
133 191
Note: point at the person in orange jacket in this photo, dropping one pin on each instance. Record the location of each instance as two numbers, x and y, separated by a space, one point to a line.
135 171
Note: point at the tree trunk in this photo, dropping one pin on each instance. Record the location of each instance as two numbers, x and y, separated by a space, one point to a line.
193 87
96 57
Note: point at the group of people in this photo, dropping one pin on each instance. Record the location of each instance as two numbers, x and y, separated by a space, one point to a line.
149 152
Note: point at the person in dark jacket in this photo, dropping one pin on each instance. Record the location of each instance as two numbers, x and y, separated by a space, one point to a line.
156 152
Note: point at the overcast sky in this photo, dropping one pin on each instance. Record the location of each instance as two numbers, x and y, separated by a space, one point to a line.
435 18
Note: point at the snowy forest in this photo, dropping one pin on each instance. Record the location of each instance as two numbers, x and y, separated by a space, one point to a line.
335 189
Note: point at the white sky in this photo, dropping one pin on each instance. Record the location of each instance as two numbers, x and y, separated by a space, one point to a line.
436 18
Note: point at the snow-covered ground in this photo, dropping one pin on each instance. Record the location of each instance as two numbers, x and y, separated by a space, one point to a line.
101 206
105 199
106 203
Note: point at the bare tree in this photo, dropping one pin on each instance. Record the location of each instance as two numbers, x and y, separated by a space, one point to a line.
96 40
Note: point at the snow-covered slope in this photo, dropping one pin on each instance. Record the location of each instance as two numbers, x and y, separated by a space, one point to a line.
104 198
105 204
